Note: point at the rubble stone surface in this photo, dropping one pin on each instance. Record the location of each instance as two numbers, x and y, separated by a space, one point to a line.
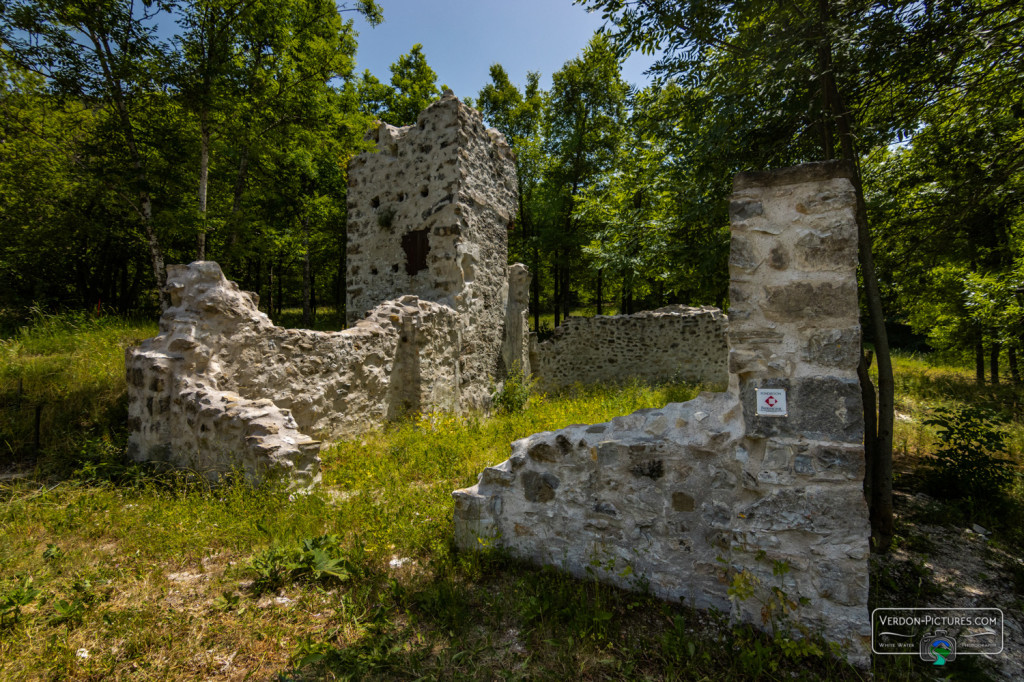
674 343
689 496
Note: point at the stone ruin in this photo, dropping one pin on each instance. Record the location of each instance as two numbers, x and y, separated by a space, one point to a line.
688 496
674 343
437 316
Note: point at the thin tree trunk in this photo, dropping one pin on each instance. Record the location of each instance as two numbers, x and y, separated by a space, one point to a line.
307 288
881 502
825 66
994 364
145 207
341 288
312 296
204 174
556 279
280 286
564 289
979 361
536 286
270 289
867 391
600 272
1011 357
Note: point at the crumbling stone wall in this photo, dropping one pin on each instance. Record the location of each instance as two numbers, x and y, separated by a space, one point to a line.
693 494
435 317
222 388
428 214
671 343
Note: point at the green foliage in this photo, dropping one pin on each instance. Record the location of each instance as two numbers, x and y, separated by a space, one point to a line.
100 157
320 559
12 599
69 612
971 457
514 393
229 600
412 89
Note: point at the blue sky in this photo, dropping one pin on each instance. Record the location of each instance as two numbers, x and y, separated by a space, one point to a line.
462 38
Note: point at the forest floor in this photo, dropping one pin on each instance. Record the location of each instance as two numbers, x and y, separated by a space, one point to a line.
110 571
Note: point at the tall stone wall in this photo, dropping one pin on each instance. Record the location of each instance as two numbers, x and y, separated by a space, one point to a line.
692 495
671 343
436 316
428 214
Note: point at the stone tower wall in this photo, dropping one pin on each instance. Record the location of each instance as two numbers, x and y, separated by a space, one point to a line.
428 215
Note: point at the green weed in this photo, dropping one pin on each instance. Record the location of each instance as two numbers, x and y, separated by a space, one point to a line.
514 393
971 457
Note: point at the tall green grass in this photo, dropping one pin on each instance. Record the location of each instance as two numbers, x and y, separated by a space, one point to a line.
923 384
70 369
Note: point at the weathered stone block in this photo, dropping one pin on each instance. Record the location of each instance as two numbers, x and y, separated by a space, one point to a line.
808 300
740 210
823 408
817 250
681 502
838 348
538 487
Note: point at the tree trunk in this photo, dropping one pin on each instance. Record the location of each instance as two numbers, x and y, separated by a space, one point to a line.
536 286
881 501
1011 358
312 297
341 290
979 361
307 318
145 205
204 174
867 392
280 286
994 364
564 289
236 198
600 272
270 289
556 279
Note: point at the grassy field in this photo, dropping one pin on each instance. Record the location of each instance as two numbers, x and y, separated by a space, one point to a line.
113 572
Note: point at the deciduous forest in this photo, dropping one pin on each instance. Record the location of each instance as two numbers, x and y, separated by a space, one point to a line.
125 148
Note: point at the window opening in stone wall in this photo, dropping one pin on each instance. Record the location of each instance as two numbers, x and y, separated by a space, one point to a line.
416 247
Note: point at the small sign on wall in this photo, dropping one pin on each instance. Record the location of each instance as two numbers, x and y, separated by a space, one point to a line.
771 402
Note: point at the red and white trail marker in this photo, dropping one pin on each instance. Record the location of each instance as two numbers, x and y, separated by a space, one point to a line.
771 402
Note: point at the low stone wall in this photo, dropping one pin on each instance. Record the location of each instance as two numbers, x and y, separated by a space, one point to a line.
221 387
694 496
672 343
